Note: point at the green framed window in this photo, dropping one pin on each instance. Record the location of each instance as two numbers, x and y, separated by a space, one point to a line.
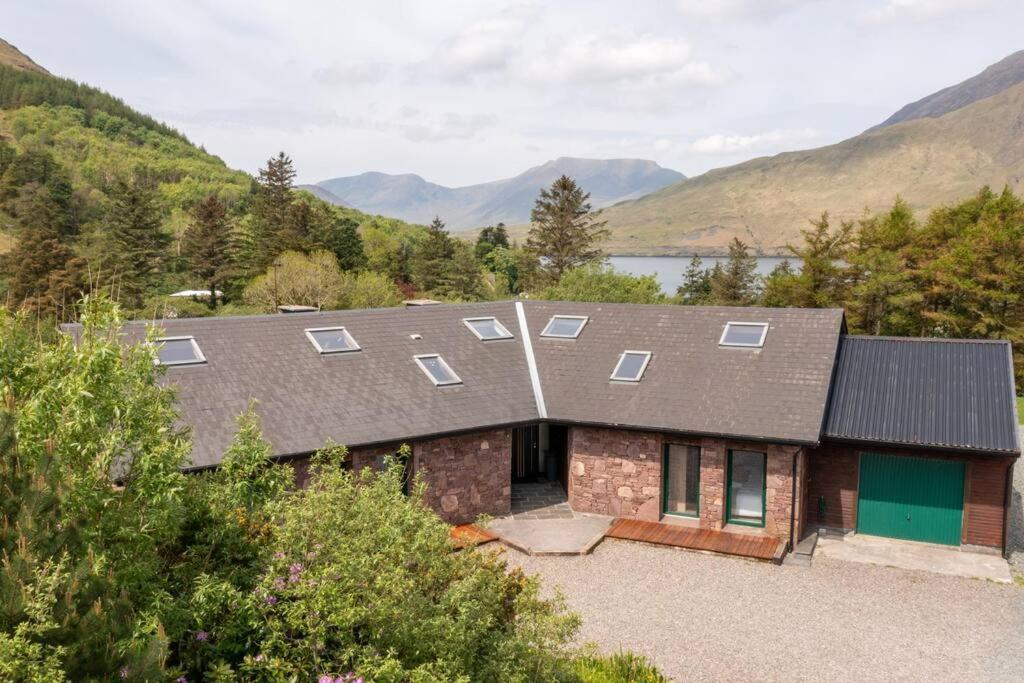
745 495
680 477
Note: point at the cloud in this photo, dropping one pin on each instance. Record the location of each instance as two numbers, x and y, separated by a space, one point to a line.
917 10
634 60
485 46
452 126
732 144
353 73
743 10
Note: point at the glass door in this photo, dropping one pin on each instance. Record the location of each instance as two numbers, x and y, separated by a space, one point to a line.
681 478
746 487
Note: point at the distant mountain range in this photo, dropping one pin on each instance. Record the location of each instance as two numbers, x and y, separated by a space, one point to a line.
16 59
508 201
937 150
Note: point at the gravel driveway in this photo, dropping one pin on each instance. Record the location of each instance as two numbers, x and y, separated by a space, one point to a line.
708 617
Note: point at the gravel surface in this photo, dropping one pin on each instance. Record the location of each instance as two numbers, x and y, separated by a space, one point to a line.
709 617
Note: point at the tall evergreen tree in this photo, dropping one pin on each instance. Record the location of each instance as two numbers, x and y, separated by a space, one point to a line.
208 243
735 283
565 233
696 287
137 243
883 290
491 237
431 263
272 221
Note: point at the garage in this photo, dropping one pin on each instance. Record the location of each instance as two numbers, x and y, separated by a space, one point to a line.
916 499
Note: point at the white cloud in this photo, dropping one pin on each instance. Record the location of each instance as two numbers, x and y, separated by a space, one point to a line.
634 60
746 10
352 73
485 46
919 9
731 144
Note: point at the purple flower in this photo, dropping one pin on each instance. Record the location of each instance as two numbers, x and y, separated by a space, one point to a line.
202 636
279 583
279 555
270 600
325 679
295 569
123 672
180 679
259 657
310 555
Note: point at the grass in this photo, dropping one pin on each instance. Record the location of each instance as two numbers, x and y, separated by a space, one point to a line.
1020 409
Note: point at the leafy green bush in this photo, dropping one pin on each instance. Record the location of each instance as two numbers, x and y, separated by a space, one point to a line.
602 283
624 667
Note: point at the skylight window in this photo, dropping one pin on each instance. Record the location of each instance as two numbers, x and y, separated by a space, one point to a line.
564 326
178 351
487 329
631 366
332 339
744 334
436 369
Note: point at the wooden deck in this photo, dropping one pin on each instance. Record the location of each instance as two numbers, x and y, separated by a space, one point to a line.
470 535
743 545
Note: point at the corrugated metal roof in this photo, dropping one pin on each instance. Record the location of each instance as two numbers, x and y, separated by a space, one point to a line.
943 393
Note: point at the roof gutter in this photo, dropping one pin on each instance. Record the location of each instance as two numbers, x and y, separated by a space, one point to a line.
531 361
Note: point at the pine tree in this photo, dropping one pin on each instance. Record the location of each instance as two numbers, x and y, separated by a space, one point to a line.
272 221
696 287
491 237
565 232
430 266
137 243
208 243
735 283
881 273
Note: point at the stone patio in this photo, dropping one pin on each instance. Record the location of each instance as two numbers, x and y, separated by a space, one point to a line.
542 523
540 500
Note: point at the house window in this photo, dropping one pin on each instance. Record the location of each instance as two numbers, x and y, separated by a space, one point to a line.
744 334
178 351
631 366
437 370
487 329
746 488
564 326
332 339
681 477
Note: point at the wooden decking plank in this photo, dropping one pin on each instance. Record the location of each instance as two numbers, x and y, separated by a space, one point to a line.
744 545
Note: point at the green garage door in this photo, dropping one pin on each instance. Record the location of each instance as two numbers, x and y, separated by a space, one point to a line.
913 498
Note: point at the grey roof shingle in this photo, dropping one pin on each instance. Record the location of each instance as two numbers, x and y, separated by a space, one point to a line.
943 393
691 384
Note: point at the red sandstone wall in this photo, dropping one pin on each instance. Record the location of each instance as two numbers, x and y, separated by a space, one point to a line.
467 475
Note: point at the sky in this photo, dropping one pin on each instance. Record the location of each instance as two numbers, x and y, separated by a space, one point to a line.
462 92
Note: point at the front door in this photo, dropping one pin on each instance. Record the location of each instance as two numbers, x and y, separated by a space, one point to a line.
917 499
525 454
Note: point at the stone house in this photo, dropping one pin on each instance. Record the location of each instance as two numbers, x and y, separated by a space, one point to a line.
747 420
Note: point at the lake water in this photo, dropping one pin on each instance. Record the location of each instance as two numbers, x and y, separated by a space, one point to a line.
669 269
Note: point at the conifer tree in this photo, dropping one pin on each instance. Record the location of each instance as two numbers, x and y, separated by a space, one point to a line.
137 243
735 283
565 233
696 287
431 263
271 218
208 243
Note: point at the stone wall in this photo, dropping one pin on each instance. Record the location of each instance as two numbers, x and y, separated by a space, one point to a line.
615 472
467 475
619 473
358 458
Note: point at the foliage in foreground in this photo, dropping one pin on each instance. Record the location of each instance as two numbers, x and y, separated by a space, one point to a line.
232 574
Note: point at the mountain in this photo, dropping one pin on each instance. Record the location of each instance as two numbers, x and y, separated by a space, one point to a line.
945 149
992 81
509 201
16 59
323 195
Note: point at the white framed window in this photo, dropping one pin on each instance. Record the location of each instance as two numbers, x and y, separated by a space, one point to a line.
487 328
434 367
631 366
331 340
750 335
564 326
178 351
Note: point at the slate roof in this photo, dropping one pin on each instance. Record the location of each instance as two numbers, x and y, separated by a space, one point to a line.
374 395
942 393
778 392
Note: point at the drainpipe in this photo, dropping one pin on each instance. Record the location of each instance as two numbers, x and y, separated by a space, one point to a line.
1008 508
792 503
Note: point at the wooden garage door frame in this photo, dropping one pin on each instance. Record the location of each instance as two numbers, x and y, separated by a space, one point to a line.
891 513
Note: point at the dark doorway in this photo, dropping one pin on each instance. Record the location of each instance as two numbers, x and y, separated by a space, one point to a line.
525 454
558 450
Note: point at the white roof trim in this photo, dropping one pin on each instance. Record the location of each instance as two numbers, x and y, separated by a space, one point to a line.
531 362
545 333
199 359
309 335
760 342
643 368
497 323
419 361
